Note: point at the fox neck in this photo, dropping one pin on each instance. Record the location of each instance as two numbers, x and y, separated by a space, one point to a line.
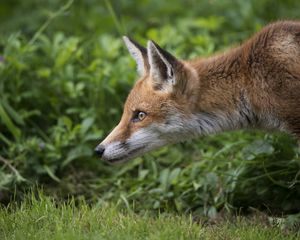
222 97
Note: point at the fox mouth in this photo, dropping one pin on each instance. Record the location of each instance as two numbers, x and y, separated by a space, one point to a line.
129 155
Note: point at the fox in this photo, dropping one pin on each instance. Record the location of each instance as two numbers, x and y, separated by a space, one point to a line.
253 85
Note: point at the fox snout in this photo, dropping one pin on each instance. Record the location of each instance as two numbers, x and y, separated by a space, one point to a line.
115 149
99 150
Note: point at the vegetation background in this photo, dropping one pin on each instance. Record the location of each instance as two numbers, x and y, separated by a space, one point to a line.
64 76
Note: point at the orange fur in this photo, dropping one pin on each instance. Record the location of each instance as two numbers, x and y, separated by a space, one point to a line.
259 81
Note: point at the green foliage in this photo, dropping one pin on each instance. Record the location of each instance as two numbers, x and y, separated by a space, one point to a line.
64 75
43 219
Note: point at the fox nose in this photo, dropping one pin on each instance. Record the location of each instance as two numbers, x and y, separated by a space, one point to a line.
100 150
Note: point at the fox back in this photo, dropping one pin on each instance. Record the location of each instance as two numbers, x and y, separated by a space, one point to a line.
255 85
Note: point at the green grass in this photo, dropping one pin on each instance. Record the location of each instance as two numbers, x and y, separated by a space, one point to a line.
45 219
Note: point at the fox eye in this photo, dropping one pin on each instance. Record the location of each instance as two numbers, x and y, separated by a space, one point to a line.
139 116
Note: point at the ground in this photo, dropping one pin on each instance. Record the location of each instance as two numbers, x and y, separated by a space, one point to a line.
45 219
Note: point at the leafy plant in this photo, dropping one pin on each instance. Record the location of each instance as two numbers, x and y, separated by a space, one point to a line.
64 75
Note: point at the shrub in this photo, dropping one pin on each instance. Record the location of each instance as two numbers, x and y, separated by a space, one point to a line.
62 87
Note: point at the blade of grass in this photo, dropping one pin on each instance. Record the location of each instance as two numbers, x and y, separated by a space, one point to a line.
50 19
14 130
118 24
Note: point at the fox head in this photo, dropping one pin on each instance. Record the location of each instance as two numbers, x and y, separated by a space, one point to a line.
157 109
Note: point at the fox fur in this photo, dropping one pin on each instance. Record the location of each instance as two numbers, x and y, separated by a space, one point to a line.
255 85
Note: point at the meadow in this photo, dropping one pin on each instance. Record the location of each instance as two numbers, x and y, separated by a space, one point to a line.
64 76
41 218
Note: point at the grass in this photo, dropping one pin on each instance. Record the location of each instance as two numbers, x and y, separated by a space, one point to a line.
45 219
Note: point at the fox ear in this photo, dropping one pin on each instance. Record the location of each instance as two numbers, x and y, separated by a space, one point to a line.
163 67
139 53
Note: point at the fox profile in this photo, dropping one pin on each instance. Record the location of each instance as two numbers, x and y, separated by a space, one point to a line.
255 85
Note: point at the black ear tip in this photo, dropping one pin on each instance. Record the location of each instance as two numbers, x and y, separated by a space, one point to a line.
129 42
151 44
125 38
